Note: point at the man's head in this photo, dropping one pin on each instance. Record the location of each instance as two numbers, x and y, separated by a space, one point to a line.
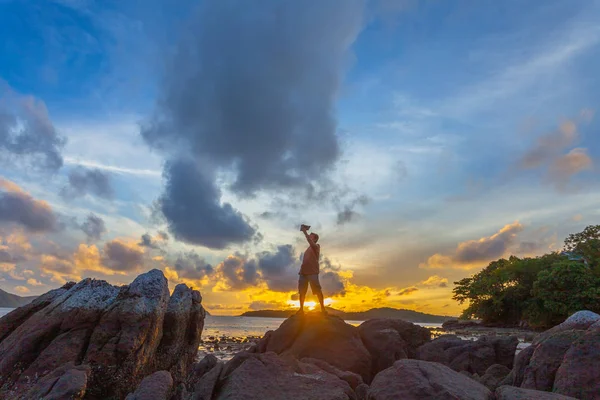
314 237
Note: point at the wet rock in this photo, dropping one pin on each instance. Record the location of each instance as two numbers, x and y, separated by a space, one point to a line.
417 379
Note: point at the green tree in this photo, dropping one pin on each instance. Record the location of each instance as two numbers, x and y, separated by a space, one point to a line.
500 293
587 245
567 287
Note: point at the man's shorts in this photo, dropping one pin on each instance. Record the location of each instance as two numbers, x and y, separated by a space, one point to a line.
304 280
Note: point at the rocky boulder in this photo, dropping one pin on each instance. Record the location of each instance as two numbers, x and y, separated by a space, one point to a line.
474 357
66 382
416 380
515 393
326 338
563 359
269 376
493 376
156 386
112 333
389 340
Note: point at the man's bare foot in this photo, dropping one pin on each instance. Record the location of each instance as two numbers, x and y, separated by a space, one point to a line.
324 312
300 311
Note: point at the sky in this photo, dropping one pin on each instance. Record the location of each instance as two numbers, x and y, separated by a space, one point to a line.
420 139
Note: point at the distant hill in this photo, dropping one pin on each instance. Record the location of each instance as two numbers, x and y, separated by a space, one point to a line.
10 300
407 315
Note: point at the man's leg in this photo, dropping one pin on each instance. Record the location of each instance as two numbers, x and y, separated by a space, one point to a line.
302 289
315 286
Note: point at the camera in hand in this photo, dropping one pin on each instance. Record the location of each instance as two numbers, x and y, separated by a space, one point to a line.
304 227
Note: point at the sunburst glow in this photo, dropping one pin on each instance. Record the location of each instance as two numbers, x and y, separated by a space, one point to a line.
310 304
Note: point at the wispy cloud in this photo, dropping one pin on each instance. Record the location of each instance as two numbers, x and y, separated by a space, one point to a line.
113 168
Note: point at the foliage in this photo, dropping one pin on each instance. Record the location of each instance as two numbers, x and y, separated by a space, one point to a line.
542 291
586 244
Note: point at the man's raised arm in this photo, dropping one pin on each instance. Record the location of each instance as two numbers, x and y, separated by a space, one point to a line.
312 244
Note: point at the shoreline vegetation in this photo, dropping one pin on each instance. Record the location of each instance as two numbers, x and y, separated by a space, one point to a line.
536 292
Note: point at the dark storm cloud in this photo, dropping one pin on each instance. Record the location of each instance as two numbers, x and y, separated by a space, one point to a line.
345 216
252 90
84 181
5 256
26 132
348 214
119 257
93 227
332 284
191 266
279 269
191 205
239 273
146 241
20 208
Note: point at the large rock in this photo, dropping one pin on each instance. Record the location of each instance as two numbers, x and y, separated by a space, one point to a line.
16 317
579 373
417 379
66 382
389 340
515 393
327 338
493 376
182 328
269 376
115 332
474 357
156 386
563 359
546 359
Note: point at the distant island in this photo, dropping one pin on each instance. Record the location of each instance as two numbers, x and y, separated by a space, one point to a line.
386 312
9 300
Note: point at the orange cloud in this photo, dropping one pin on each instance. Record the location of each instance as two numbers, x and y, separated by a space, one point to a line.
472 253
435 281
569 165
22 289
34 282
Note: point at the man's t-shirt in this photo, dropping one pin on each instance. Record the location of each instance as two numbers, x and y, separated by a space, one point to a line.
310 262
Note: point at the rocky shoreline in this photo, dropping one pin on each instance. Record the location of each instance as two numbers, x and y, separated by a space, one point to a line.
92 340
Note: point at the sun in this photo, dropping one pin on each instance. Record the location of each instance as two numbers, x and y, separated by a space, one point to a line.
310 305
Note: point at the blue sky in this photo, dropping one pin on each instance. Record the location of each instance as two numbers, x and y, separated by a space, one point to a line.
460 125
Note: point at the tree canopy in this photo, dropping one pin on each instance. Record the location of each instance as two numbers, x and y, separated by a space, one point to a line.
541 291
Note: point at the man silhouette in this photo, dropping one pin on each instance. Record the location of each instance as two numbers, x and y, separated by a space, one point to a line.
309 271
